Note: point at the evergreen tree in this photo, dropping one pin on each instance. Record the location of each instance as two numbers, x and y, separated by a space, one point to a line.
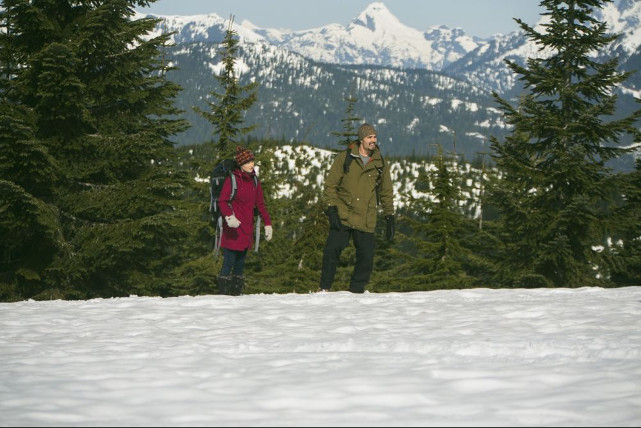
228 107
97 104
555 195
29 223
292 261
626 245
440 256
349 133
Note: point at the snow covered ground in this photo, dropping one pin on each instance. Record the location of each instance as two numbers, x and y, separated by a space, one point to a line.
480 357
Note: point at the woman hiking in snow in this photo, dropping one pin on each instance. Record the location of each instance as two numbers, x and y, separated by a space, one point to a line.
238 227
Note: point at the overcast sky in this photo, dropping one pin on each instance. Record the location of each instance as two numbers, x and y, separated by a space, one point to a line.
481 18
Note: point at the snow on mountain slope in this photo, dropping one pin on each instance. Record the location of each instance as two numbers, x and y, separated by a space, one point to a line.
377 37
202 28
485 66
624 19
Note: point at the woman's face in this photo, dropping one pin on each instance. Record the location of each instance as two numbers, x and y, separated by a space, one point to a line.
247 166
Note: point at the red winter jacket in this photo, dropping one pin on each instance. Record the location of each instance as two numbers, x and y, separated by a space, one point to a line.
247 197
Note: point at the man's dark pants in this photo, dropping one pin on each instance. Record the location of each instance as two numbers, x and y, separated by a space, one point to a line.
337 241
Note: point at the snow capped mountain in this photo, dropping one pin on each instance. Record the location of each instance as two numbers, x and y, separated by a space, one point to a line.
412 83
201 28
624 19
377 37
485 66
453 43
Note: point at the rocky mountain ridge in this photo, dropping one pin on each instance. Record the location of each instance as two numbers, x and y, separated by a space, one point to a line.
421 88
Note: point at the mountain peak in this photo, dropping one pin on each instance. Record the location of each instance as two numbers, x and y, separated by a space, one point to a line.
377 8
376 15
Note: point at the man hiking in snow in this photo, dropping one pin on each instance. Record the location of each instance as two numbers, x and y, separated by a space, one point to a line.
358 180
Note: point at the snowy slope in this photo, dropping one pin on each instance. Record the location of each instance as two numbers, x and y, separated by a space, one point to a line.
377 37
300 72
479 357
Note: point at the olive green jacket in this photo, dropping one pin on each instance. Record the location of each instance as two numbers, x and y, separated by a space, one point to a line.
354 193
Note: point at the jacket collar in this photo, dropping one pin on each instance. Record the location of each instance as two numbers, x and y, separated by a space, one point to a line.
244 175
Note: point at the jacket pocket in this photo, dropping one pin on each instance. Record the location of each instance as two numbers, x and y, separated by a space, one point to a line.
345 199
371 214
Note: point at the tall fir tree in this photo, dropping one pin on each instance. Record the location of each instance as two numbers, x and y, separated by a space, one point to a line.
556 193
228 108
350 132
99 111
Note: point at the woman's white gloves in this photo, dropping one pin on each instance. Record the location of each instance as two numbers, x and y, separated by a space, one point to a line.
232 221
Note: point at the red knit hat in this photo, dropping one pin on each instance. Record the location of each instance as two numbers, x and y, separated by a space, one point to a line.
243 155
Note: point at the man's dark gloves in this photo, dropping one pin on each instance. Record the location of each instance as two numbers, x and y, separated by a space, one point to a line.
391 227
334 219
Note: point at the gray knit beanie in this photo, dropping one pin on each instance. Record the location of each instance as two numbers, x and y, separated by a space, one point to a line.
365 131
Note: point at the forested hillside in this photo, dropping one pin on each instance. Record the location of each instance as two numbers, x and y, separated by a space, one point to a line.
436 87
300 100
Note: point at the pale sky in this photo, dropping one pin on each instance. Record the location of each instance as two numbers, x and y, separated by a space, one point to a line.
482 18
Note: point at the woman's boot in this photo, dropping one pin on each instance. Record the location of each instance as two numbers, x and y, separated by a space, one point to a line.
225 285
238 285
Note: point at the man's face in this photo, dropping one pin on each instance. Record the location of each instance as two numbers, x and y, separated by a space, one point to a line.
369 142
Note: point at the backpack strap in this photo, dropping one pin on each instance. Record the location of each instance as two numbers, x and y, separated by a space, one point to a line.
256 214
379 179
234 188
218 236
257 234
348 159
